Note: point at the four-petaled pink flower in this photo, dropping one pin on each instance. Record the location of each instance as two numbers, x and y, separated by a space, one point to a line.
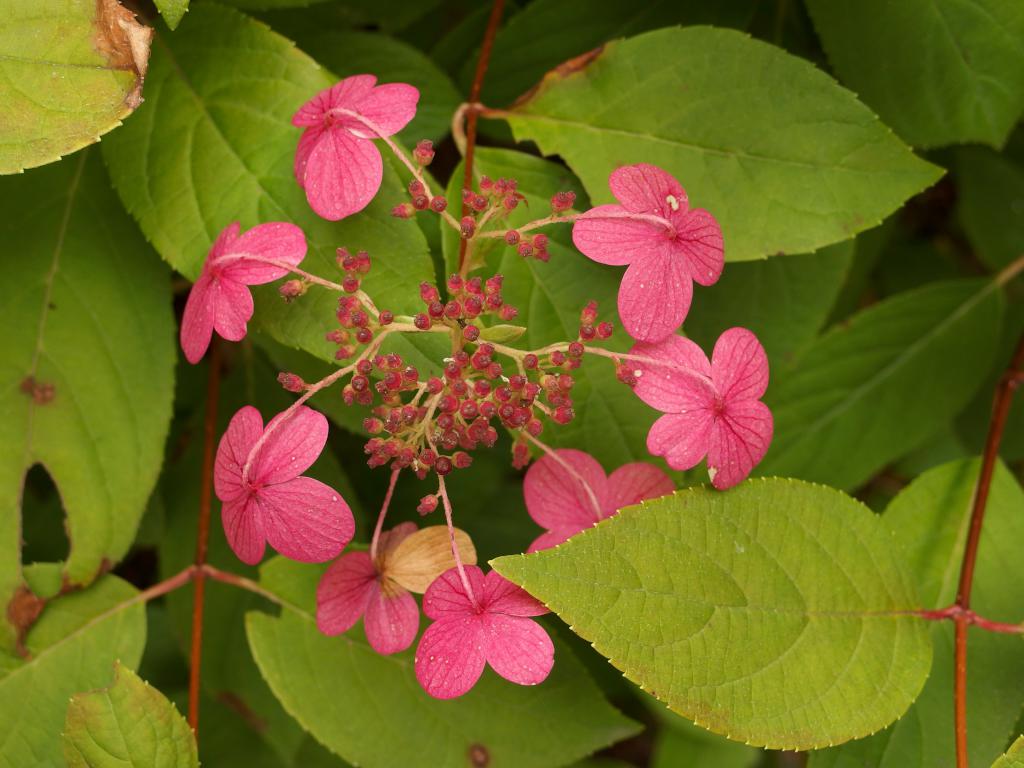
220 299
337 162
271 502
712 408
666 244
491 627
573 494
377 588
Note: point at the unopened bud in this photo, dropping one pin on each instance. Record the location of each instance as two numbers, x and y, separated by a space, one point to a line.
424 152
292 289
291 382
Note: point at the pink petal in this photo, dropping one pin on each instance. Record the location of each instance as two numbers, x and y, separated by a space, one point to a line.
343 173
277 240
243 431
699 242
502 596
645 188
518 649
305 519
604 234
739 440
552 538
557 498
682 438
654 297
222 244
232 308
307 141
197 321
739 366
450 656
676 383
292 446
446 596
391 623
389 107
344 94
243 527
632 483
344 591
389 540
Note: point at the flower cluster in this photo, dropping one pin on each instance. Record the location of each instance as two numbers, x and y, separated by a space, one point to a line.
427 423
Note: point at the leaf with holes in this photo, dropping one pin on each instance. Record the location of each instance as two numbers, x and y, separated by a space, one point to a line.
786 159
88 367
70 71
384 718
775 613
128 724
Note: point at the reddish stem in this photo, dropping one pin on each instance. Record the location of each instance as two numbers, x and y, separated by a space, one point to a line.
203 532
471 114
1000 412
383 513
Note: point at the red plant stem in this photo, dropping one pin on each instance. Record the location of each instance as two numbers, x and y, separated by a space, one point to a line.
383 513
1010 380
471 114
203 532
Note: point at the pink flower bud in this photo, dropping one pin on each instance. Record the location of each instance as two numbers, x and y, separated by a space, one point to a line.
424 152
291 382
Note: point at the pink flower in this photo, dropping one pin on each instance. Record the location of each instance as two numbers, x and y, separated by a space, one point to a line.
220 299
712 408
666 244
494 628
569 497
377 589
336 161
301 517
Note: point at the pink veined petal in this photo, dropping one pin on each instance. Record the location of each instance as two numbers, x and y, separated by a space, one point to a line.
739 440
305 520
645 188
307 141
518 649
632 483
277 240
557 498
232 308
445 596
197 321
682 382
502 596
243 431
604 235
682 438
699 242
224 240
389 540
391 623
450 656
654 297
739 366
343 94
343 173
552 538
390 107
292 447
344 591
243 527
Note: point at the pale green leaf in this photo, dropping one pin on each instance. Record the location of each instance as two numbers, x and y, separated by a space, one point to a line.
775 613
70 71
873 388
990 204
127 725
937 71
1014 757
384 718
172 11
89 330
786 159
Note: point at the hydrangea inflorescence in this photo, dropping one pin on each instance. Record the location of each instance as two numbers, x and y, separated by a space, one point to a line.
429 425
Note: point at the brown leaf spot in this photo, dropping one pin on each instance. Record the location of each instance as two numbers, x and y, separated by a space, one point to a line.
22 611
562 71
124 43
41 392
479 757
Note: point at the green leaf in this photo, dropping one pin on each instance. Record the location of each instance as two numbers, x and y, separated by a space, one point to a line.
88 367
939 72
872 389
208 148
73 648
70 71
681 743
929 520
172 11
1014 757
990 204
785 159
128 724
774 613
384 718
